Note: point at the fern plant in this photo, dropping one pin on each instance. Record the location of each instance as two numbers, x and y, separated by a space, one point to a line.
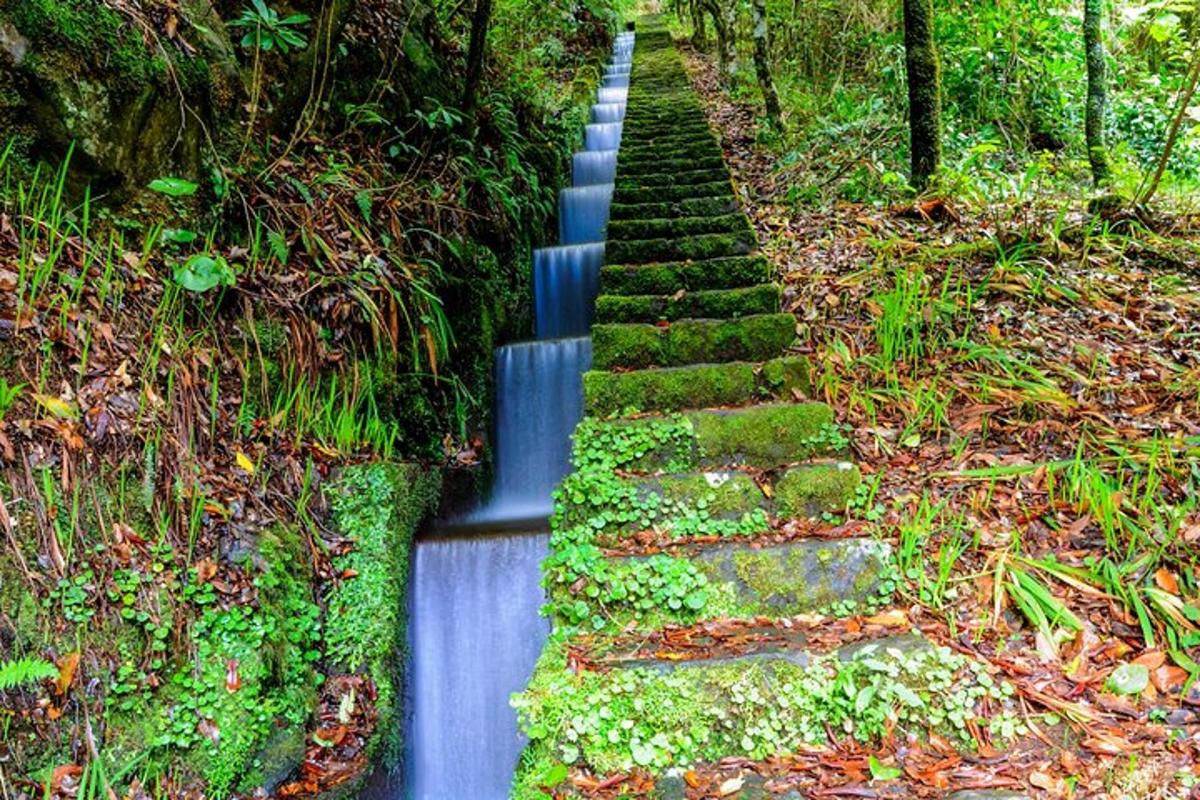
25 670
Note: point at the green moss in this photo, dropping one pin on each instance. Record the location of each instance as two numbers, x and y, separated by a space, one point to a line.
748 708
378 506
763 435
753 338
811 489
691 248
704 304
661 279
633 165
670 194
700 386
678 227
696 207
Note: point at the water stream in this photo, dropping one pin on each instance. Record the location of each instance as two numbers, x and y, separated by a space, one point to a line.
474 626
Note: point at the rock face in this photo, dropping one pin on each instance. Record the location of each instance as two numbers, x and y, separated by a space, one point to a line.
129 107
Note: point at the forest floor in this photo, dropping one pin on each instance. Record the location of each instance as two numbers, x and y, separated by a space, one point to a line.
1020 385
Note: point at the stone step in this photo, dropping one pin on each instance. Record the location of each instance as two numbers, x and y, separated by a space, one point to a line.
692 147
633 229
636 166
699 386
763 436
651 180
665 502
690 248
670 194
664 278
703 304
756 337
696 207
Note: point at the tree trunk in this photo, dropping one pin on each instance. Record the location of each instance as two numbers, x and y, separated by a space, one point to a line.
479 28
924 91
699 34
762 61
1097 89
713 7
729 8
1185 100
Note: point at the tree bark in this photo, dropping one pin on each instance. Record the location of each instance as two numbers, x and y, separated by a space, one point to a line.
729 8
1097 89
1185 100
699 33
924 91
724 34
762 61
480 21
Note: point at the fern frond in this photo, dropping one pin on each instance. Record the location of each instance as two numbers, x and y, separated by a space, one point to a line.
25 670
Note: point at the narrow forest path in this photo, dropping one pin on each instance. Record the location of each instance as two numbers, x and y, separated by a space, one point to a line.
734 615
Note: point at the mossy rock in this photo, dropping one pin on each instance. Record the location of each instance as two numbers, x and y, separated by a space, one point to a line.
700 386
665 278
637 152
677 227
764 435
650 180
636 166
704 304
696 207
799 577
812 489
694 341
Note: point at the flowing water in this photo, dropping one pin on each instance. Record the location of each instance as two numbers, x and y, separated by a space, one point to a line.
474 626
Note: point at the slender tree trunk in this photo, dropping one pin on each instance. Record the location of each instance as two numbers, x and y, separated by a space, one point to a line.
699 33
479 27
729 8
713 7
924 91
762 61
1097 89
1185 100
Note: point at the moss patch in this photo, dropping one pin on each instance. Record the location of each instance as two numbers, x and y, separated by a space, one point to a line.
703 304
678 226
808 490
661 279
753 338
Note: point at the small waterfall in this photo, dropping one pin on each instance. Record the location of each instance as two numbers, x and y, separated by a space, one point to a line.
475 631
612 95
477 634
583 213
603 136
539 400
566 281
594 166
608 112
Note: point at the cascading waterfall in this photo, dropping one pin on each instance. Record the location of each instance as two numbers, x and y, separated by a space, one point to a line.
475 629
566 281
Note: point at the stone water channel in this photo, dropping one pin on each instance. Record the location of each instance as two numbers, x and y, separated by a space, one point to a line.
475 629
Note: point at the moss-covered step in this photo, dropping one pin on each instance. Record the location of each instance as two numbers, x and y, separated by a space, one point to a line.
671 194
695 207
688 248
637 152
697 503
632 229
762 436
670 277
650 180
691 341
633 166
700 386
751 709
703 304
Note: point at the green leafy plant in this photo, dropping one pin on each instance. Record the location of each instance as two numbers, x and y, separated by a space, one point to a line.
22 671
173 187
266 30
203 272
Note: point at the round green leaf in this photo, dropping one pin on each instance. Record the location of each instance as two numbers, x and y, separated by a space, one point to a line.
173 187
1129 679
201 273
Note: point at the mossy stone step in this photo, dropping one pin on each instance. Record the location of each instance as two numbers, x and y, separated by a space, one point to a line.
692 147
638 128
632 229
801 492
671 194
717 273
699 386
762 436
689 248
696 207
635 166
756 337
651 180
702 304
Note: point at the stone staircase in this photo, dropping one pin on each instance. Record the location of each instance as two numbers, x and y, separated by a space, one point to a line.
699 600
